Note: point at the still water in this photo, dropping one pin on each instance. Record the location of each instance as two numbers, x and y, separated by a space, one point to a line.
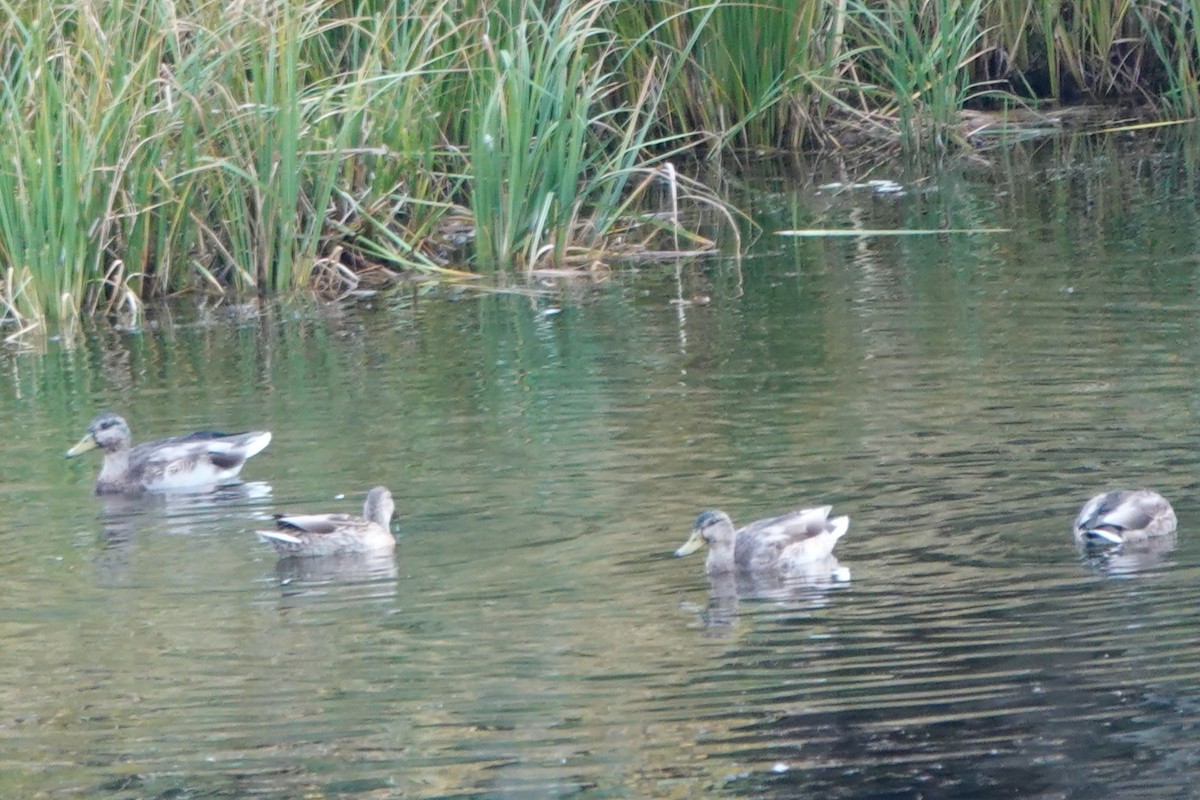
958 396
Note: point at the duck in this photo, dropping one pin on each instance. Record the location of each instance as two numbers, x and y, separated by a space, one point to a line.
1124 516
336 534
782 544
202 459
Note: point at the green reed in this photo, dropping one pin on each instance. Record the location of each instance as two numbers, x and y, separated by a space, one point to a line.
81 150
751 74
920 52
161 146
1175 39
549 157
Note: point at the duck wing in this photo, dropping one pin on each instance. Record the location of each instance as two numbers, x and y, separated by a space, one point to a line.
760 544
319 523
791 526
200 458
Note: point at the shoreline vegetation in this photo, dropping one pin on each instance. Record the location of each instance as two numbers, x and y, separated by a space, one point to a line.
259 146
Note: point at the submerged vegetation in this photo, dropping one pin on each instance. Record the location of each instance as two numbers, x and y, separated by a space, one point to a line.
155 146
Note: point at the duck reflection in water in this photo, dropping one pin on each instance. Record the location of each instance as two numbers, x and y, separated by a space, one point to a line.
300 572
1126 531
807 587
1132 558
125 517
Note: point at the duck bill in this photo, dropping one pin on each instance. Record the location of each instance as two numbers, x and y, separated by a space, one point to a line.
86 443
694 543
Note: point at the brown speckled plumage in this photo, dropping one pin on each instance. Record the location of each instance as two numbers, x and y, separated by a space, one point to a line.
336 534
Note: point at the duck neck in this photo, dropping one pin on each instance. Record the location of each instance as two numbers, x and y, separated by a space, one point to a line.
720 558
116 464
377 513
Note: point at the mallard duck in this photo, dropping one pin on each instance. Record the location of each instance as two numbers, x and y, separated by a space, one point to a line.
1124 515
783 543
203 458
336 534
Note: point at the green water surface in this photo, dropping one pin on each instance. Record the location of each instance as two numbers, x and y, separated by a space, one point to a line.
959 396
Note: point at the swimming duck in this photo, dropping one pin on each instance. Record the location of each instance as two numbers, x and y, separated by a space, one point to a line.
336 534
1124 515
200 459
783 543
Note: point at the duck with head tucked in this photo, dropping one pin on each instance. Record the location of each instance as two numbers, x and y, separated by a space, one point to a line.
1124 516
781 544
337 534
203 459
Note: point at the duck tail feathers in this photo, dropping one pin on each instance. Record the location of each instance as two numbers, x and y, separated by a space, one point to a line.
839 527
241 445
255 442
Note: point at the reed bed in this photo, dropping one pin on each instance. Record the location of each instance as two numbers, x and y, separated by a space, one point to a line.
260 146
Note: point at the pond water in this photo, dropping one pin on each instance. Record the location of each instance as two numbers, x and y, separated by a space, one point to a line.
959 396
